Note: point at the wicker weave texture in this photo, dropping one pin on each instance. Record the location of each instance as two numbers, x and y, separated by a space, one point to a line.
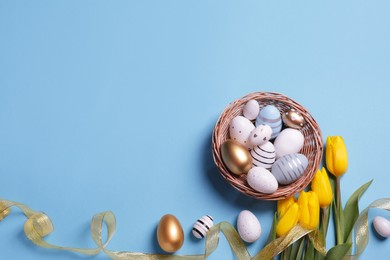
312 148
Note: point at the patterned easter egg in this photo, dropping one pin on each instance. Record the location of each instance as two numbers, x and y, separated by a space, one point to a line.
261 180
260 135
293 118
240 129
202 226
270 115
289 168
248 226
263 156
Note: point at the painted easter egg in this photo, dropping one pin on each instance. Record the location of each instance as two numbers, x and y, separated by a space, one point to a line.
202 226
382 226
289 141
293 119
240 129
270 115
236 157
263 156
248 226
289 168
262 180
260 135
170 235
251 109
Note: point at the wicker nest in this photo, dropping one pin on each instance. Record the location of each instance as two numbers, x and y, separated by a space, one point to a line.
312 148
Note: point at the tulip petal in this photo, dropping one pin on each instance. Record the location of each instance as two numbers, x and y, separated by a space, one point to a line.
340 157
321 186
288 221
329 154
314 209
284 205
304 216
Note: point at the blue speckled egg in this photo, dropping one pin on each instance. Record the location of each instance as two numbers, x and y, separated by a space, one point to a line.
270 115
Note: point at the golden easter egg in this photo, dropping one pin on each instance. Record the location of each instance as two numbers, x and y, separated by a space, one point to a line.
170 235
293 119
236 157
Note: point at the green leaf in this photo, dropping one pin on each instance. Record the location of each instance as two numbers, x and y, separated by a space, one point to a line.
351 211
272 233
286 253
309 254
300 249
318 256
296 246
338 252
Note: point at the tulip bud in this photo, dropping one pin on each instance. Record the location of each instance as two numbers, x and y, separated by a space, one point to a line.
309 209
288 221
284 205
321 186
336 155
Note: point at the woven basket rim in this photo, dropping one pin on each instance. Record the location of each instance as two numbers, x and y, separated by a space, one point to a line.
313 146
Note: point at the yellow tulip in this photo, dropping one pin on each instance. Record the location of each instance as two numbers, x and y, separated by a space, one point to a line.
304 214
321 186
288 221
284 205
314 209
336 155
309 209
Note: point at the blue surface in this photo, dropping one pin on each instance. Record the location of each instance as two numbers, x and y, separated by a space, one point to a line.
110 105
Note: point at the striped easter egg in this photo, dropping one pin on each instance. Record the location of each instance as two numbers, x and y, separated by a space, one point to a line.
270 115
263 156
289 168
202 226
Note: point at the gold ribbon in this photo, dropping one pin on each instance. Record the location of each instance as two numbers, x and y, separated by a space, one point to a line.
280 244
39 225
361 227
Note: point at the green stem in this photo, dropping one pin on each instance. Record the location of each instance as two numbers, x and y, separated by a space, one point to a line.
324 222
339 233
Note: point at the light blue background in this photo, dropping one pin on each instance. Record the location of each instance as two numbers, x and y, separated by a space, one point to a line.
110 105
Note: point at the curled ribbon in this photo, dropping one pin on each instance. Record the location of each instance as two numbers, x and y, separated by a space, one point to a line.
39 225
361 227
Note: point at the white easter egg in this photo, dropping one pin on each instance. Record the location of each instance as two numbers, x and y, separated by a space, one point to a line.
248 226
382 226
289 168
251 109
262 180
263 156
202 226
289 141
260 135
240 129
